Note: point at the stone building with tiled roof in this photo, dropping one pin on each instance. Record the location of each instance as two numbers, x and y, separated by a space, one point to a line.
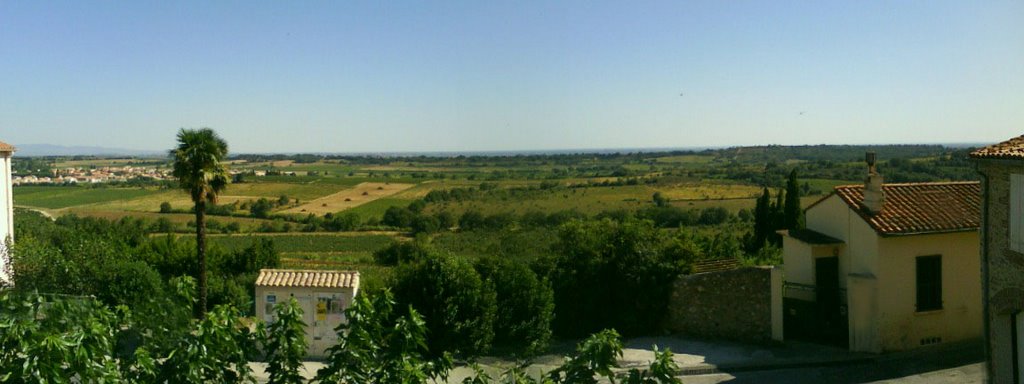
1002 257
6 207
323 296
885 267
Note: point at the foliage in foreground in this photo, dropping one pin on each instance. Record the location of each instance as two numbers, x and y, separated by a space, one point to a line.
380 344
51 339
54 339
285 343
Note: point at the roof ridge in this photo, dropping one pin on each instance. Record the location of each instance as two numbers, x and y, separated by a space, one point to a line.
917 208
1009 149
909 184
308 270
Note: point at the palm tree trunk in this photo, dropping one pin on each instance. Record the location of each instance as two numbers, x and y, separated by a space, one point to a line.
201 251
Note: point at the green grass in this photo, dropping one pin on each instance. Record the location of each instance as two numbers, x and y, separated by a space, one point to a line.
825 185
70 196
376 208
593 200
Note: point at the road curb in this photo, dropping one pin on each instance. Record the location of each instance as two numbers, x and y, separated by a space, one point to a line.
708 369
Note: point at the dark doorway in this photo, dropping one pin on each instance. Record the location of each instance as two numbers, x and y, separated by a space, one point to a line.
833 326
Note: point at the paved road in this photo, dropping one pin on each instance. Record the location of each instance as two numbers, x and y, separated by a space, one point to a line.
855 373
736 363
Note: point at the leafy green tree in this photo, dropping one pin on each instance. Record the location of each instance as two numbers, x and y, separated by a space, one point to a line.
51 341
458 307
525 305
792 213
398 217
471 220
659 199
762 220
260 208
777 215
425 224
217 350
285 344
199 168
402 252
380 345
589 255
165 207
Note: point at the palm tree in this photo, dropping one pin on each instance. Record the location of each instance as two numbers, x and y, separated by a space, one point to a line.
198 168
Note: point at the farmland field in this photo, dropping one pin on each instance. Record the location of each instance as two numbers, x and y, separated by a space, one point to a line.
309 232
360 194
68 196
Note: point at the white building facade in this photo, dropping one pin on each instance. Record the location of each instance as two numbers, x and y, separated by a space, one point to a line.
6 206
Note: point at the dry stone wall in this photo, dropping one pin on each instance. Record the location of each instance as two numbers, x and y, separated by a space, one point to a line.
734 305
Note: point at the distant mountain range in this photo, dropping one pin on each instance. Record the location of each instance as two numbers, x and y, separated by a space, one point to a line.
30 150
60 150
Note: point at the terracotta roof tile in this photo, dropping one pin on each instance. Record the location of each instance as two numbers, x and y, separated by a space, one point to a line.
1009 149
918 208
307 278
4 147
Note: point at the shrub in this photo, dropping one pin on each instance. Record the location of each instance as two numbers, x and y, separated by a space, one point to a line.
525 306
458 307
590 256
128 282
401 253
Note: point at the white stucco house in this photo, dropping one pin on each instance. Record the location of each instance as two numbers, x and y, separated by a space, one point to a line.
886 267
6 206
323 295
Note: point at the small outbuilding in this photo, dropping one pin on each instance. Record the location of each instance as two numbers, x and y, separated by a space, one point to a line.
323 296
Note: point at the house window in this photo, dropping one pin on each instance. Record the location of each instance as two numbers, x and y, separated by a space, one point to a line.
929 283
1016 212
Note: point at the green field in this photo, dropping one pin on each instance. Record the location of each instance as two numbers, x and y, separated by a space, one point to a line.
68 196
729 178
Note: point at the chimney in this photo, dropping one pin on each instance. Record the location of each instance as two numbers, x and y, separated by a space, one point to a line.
874 197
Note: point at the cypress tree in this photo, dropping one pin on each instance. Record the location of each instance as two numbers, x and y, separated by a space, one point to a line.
762 219
793 215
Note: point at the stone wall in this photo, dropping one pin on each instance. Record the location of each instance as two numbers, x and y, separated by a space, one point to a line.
1004 272
733 305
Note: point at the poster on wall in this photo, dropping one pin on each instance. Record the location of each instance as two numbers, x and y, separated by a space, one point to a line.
330 309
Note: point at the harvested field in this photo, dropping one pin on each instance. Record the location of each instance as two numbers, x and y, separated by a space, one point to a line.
358 195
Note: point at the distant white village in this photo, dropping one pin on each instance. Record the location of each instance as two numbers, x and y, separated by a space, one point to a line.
97 175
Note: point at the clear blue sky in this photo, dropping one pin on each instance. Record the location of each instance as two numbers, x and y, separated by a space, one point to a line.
294 76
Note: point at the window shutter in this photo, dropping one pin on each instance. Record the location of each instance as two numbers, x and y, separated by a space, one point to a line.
1017 212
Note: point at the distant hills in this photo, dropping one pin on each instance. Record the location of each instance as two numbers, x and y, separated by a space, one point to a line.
33 150
60 150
